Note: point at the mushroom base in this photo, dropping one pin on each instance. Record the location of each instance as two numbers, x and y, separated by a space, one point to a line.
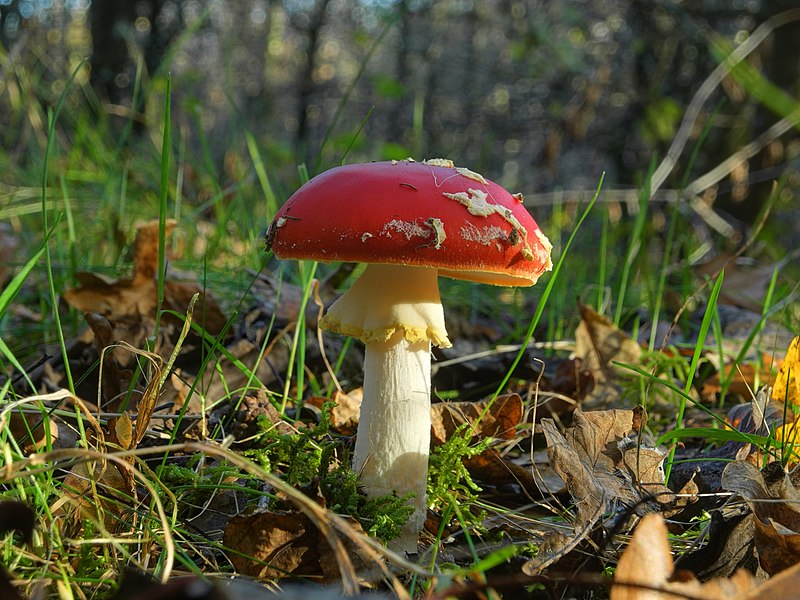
393 441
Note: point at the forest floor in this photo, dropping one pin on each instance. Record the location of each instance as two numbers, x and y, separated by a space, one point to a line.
194 440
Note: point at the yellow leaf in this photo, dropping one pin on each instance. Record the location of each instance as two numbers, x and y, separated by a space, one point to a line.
788 433
787 383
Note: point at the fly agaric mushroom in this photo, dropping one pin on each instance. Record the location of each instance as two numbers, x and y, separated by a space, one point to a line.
409 222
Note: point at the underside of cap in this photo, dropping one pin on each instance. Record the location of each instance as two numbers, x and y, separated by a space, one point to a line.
427 214
390 299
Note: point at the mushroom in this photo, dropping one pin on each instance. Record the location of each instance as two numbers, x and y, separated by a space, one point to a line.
409 222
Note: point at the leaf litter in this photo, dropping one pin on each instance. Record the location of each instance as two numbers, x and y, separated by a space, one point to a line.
602 473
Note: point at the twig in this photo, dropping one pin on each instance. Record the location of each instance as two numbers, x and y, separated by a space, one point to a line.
704 92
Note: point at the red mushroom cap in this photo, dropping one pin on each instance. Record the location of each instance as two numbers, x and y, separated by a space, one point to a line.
424 214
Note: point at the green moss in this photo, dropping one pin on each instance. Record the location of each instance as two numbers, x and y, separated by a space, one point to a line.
313 457
449 482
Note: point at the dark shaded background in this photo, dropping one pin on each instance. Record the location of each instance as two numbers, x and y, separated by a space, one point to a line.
541 96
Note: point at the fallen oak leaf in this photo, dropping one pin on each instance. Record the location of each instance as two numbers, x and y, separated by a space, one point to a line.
599 343
277 544
137 296
782 586
273 544
500 421
775 504
647 561
346 409
605 470
646 571
97 492
729 546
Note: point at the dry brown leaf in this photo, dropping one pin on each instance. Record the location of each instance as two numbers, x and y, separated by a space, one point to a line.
344 416
145 249
146 405
646 571
604 469
601 462
775 503
29 430
95 491
500 421
742 378
120 431
782 586
248 420
598 342
137 296
598 345
275 544
117 361
729 546
647 561
778 546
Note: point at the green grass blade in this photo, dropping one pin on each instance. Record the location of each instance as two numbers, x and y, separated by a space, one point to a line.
716 435
711 309
307 278
52 119
10 292
603 257
633 247
12 289
261 173
758 86
673 388
546 294
163 193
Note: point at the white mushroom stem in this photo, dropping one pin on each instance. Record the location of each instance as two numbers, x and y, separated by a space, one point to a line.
394 429
396 311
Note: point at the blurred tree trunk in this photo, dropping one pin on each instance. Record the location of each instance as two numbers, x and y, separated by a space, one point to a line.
112 67
313 29
9 22
113 25
256 101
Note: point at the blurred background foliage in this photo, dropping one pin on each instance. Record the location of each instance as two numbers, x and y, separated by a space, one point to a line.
541 96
